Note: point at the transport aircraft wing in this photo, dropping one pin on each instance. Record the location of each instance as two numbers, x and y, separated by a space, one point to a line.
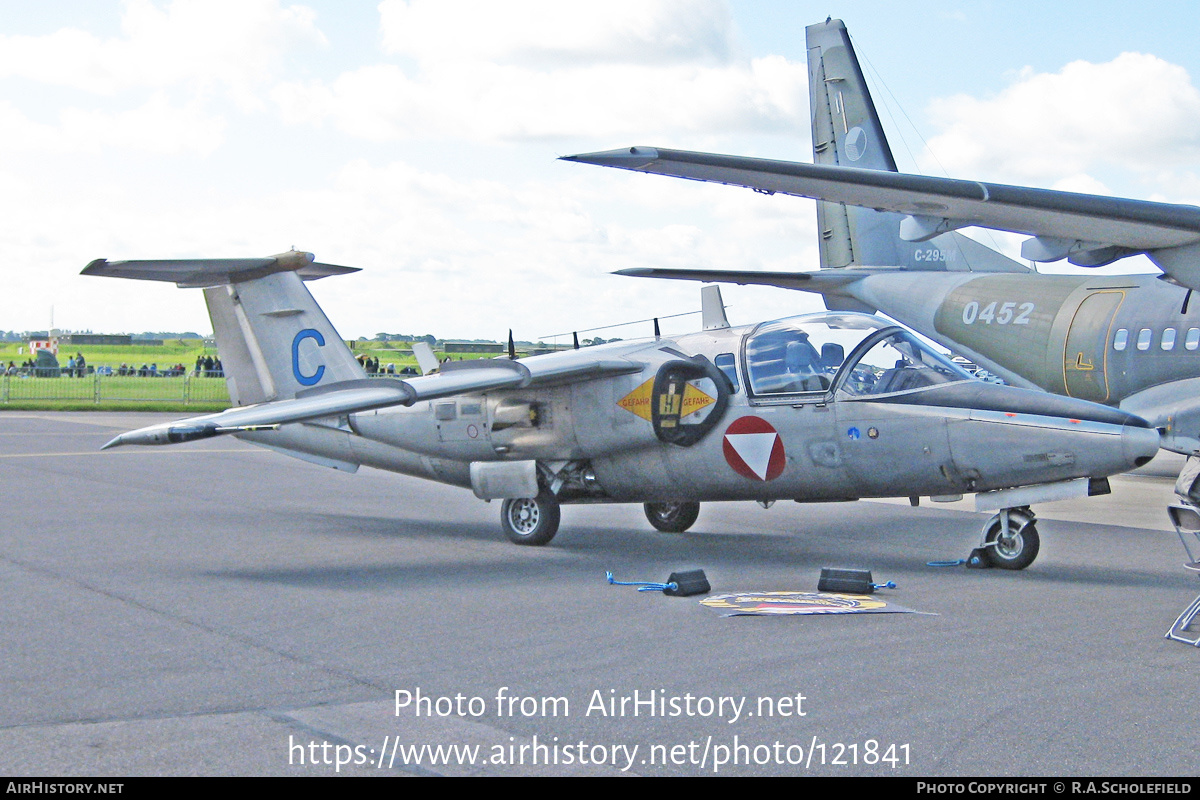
813 281
1088 230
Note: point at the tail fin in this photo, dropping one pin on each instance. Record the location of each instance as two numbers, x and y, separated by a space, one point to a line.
273 339
846 131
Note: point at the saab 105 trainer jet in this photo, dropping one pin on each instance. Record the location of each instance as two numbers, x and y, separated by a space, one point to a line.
828 406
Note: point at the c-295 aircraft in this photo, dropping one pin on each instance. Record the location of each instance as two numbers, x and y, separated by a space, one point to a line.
829 406
889 242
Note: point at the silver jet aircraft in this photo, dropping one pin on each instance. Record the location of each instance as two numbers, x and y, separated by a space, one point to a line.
888 243
829 406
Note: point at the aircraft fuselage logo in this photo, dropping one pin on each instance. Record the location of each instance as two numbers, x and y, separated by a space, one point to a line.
638 402
754 449
297 373
856 143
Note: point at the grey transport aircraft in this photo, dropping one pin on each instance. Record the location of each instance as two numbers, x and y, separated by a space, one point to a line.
823 407
888 243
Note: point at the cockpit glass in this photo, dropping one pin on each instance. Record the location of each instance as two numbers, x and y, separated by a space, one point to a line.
803 354
807 354
899 363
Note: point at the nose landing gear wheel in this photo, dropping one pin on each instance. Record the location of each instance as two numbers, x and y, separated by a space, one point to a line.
1018 549
530 520
672 517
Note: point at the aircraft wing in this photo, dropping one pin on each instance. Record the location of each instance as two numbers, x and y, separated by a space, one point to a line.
560 374
345 397
814 281
366 394
1089 230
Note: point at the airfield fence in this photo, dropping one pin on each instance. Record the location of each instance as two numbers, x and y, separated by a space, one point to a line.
98 388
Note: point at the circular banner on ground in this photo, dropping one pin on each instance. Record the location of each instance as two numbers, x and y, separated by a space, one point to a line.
769 603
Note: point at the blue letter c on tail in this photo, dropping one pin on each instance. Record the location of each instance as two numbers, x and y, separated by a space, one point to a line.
301 378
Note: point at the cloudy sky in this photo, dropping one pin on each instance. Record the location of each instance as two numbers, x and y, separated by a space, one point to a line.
417 140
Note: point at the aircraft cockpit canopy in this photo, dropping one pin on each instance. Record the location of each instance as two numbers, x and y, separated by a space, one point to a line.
856 354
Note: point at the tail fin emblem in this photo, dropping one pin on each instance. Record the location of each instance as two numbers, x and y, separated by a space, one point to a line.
856 143
301 378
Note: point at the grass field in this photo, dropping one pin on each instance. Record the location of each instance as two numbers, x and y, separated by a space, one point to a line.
185 351
113 392
170 352
190 394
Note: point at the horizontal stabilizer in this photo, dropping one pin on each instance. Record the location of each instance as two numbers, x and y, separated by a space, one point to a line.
828 283
203 272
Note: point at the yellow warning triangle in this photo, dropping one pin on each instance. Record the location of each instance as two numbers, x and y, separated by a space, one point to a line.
638 401
694 400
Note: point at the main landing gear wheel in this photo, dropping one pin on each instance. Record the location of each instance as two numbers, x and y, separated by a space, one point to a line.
1019 547
530 520
672 517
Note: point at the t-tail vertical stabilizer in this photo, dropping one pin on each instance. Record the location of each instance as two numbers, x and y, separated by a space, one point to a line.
273 339
846 131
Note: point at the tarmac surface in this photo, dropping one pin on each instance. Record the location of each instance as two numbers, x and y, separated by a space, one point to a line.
217 609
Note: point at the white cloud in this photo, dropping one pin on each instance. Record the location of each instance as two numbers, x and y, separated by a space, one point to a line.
1137 111
154 88
232 44
446 246
488 102
484 72
451 256
551 33
156 127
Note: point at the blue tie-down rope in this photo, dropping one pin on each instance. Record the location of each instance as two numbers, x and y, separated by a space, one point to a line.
888 585
643 586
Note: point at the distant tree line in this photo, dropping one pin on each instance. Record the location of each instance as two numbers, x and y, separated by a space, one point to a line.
402 337
21 336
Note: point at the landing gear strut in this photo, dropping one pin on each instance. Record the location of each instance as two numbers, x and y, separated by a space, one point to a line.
672 517
1010 539
530 520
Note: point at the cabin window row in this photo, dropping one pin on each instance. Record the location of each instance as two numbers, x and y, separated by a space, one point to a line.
1145 338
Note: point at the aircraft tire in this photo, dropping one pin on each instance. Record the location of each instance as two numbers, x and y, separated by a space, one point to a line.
530 520
672 517
1021 547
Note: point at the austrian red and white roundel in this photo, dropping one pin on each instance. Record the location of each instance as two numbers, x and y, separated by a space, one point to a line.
753 449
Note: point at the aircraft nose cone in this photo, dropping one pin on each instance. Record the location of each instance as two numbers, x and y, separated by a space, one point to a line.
980 396
1033 437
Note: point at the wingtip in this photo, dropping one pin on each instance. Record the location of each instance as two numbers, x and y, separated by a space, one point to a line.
626 157
114 442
